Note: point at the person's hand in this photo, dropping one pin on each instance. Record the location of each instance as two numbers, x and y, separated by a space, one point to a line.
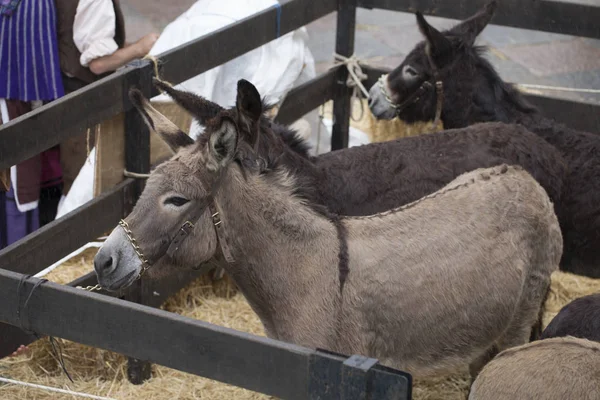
21 350
145 44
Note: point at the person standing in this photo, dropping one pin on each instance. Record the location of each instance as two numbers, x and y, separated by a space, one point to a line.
29 77
91 43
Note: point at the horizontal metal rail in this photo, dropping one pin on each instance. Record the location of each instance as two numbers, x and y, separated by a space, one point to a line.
70 115
306 97
569 18
269 366
61 237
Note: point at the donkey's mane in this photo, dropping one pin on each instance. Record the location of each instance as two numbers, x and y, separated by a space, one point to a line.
502 90
271 163
289 136
474 181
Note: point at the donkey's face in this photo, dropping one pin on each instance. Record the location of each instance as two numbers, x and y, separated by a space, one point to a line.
452 55
178 192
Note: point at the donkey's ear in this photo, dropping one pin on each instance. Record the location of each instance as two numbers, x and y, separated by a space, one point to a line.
198 106
168 131
469 29
439 48
248 102
222 145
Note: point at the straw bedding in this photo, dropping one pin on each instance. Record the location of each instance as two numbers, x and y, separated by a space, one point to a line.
103 373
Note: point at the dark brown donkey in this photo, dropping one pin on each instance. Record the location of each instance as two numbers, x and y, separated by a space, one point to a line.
473 92
376 177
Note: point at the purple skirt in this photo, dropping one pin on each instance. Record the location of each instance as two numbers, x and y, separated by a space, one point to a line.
14 224
29 65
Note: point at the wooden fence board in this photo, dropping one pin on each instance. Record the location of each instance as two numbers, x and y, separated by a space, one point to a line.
566 17
256 363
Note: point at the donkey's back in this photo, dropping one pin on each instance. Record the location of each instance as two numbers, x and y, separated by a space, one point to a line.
551 369
445 280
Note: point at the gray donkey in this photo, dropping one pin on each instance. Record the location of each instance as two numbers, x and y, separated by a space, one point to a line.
442 282
552 369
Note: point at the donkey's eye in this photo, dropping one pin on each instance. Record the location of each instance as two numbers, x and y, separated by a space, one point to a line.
409 72
176 201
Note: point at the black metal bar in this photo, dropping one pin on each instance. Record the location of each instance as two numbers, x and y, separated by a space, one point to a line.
154 292
137 160
306 97
356 376
576 114
569 18
31 254
70 115
344 46
260 364
61 237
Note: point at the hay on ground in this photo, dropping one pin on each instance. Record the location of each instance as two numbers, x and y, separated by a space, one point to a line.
381 130
103 373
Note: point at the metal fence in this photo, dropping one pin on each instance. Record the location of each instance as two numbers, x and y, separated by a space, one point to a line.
145 333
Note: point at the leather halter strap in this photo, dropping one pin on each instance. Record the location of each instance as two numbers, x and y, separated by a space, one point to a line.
191 222
186 228
414 97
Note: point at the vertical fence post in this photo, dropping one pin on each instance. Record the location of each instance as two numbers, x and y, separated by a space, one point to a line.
342 101
137 159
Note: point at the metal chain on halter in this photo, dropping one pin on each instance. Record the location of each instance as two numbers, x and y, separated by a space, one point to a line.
90 288
136 247
381 84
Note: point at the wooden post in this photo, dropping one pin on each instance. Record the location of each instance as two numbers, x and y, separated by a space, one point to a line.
137 159
344 46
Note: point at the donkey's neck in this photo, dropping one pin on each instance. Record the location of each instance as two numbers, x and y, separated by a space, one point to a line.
286 253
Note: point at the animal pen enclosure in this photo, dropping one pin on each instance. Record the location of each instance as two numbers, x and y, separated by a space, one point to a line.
259 364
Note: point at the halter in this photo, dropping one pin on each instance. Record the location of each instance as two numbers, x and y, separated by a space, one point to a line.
417 94
183 232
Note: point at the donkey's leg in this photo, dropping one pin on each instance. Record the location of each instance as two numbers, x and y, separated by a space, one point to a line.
538 327
528 315
477 365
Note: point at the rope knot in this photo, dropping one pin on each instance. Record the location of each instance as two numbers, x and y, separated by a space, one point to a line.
355 78
355 73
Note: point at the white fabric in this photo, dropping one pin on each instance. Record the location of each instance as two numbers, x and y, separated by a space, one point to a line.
82 189
13 170
94 29
274 68
321 141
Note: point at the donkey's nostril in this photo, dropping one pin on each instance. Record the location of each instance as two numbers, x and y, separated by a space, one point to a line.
107 264
103 264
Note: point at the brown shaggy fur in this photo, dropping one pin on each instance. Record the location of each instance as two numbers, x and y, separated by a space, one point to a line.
372 178
580 318
473 92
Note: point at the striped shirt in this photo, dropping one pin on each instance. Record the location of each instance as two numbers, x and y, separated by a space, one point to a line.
29 65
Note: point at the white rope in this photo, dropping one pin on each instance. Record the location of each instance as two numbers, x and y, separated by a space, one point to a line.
356 74
557 88
135 175
52 389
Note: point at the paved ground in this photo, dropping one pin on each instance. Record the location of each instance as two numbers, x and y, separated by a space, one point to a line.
384 38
